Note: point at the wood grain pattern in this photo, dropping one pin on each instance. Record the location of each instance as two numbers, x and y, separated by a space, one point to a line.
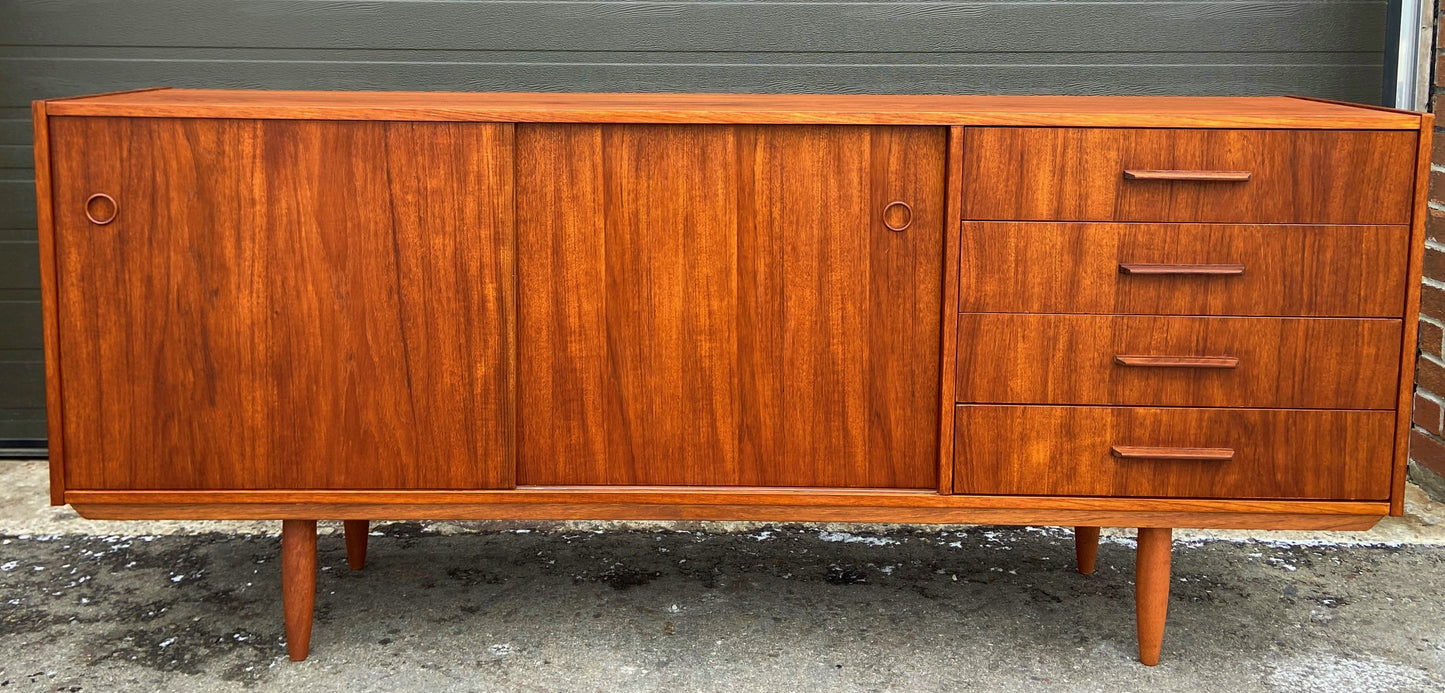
1344 271
118 92
357 533
658 233
643 496
1312 363
259 317
764 329
1305 454
721 321
627 276
854 109
52 75
762 513
1151 590
298 584
1373 107
50 318
1086 548
1074 174
953 201
1409 342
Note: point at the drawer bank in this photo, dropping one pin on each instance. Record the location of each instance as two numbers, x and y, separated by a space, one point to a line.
1078 311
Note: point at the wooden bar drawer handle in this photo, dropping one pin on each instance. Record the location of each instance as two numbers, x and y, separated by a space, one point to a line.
1200 176
1133 452
1177 361
897 215
101 209
1151 269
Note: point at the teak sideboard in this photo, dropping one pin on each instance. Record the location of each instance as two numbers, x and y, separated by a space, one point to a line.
1078 311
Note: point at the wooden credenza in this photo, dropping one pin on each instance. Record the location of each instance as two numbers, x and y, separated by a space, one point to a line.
1145 312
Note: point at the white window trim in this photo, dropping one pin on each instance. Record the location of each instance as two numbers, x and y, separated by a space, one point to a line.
1414 55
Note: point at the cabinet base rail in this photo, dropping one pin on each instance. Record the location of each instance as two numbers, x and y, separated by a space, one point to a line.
732 504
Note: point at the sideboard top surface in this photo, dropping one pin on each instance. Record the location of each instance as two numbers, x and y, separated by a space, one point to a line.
870 109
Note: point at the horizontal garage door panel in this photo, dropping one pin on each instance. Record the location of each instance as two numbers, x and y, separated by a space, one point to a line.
707 26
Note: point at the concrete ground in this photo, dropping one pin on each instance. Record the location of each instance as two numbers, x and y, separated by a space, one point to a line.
106 606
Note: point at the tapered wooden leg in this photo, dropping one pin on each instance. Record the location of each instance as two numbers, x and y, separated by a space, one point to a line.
1086 548
298 583
1151 590
356 531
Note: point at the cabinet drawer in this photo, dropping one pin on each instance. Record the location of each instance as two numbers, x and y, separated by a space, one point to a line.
1173 453
1088 174
1183 269
1312 363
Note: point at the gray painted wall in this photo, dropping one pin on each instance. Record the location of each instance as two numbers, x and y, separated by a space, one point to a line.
50 48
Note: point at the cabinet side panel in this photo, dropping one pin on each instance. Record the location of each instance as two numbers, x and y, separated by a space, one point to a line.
1409 351
44 217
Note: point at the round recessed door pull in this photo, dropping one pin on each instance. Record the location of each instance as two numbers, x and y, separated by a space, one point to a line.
101 209
897 215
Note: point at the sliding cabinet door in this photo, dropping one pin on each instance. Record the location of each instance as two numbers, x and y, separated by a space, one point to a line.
728 305
285 304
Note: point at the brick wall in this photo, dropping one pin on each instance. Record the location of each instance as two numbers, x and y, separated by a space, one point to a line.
1427 436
